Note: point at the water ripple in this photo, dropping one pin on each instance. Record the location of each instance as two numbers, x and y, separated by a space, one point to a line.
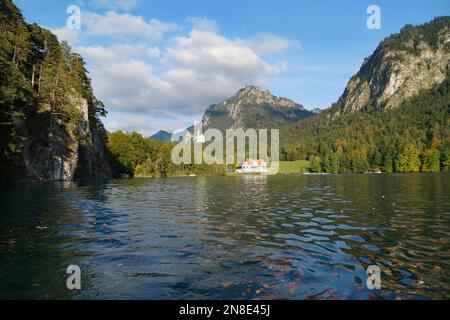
299 237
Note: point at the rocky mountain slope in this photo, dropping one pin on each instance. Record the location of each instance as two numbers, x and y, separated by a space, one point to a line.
49 117
251 107
418 58
394 114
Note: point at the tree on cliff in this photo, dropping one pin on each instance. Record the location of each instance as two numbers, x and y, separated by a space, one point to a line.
41 84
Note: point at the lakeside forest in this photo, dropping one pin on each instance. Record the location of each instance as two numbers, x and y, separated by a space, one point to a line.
51 128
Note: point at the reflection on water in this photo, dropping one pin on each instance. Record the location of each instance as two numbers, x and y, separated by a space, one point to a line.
290 237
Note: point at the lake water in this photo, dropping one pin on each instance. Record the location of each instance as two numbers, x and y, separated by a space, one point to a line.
249 237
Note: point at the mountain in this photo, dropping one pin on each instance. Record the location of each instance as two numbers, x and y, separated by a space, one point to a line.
418 58
50 128
162 136
251 107
394 114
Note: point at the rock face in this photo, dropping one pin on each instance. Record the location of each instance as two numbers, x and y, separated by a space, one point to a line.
63 152
251 107
418 58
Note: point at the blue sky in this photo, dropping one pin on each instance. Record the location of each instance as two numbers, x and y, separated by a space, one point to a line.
159 64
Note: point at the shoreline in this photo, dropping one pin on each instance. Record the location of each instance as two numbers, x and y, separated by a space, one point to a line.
32 181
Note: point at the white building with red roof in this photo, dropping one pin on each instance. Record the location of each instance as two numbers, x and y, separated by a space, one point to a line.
252 166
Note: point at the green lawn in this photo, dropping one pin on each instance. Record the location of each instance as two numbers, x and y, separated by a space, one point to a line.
300 166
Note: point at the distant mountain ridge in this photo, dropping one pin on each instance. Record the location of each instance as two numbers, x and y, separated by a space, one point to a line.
162 136
252 107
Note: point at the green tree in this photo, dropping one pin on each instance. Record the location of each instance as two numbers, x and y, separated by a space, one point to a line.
130 150
326 164
357 162
445 159
335 163
408 160
21 45
431 161
388 163
316 165
331 162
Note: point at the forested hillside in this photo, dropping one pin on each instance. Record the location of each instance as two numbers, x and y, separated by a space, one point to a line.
49 117
394 115
137 156
414 137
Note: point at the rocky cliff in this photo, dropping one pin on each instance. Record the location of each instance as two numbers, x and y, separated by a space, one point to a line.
61 150
417 58
252 107
49 117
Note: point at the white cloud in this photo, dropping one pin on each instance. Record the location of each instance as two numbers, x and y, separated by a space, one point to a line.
116 53
173 85
130 85
266 43
210 52
146 124
204 24
116 25
115 4
197 70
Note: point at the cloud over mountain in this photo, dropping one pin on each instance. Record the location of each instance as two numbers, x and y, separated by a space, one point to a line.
159 75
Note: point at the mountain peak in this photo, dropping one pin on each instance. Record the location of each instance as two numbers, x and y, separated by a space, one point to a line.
251 90
415 59
252 107
253 95
162 136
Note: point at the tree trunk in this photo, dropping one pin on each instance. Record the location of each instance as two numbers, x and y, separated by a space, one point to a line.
32 76
40 77
42 65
